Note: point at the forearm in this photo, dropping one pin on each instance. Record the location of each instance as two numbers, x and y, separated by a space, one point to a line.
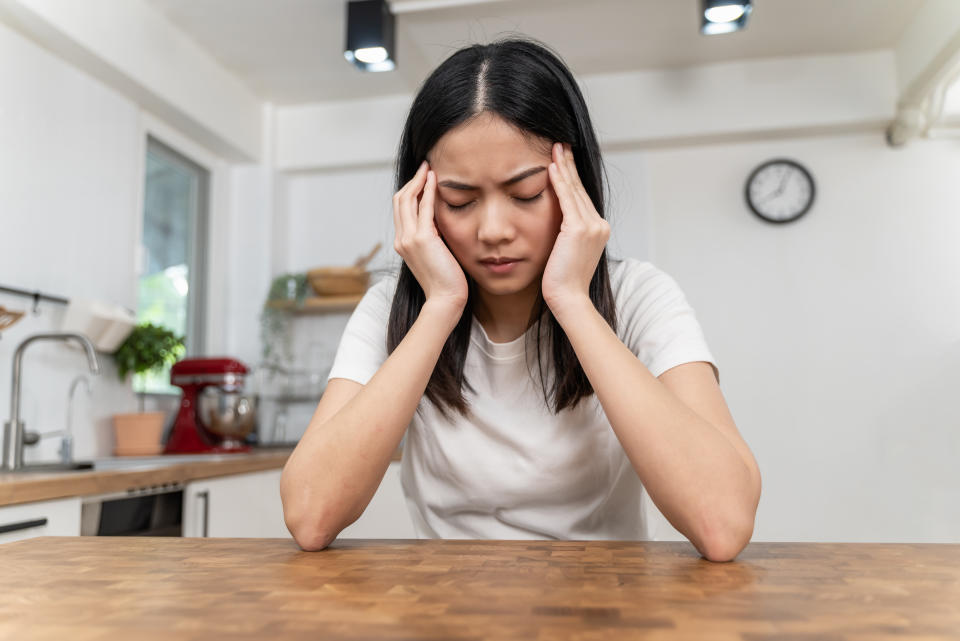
337 466
694 475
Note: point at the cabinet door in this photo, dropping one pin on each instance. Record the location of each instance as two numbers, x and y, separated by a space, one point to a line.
386 517
241 505
60 517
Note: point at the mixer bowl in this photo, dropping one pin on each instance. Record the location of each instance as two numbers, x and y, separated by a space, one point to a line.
230 414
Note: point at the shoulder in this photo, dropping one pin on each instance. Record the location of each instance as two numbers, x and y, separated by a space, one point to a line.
384 284
378 298
643 293
630 277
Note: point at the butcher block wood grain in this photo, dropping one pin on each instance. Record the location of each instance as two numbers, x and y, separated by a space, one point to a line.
93 589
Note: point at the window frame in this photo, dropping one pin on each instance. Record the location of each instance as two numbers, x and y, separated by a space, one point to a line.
197 243
217 259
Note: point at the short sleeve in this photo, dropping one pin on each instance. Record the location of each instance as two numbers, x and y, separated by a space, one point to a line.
655 320
363 345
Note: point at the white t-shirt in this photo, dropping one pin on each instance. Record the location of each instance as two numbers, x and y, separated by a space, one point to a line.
514 470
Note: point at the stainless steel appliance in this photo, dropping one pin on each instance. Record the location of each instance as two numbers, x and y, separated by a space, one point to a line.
155 510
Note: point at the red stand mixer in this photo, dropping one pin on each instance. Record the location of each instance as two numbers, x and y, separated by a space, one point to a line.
215 415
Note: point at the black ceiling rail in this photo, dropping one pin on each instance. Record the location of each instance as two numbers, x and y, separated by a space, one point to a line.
37 296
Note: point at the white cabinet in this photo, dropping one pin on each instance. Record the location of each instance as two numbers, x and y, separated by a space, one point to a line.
248 505
240 505
60 517
386 517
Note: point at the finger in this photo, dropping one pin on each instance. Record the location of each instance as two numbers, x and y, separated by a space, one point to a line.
576 204
569 205
415 184
396 223
573 178
571 165
425 217
410 196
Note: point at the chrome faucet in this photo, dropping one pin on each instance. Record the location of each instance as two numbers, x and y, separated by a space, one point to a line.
13 429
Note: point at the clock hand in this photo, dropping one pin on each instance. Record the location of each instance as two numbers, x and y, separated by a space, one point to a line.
783 181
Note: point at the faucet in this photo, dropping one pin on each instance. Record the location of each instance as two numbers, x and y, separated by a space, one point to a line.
13 429
66 444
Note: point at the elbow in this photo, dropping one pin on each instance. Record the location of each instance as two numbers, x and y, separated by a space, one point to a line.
311 539
310 534
722 551
723 543
308 525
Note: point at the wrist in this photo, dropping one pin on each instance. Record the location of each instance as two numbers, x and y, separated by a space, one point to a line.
447 309
569 307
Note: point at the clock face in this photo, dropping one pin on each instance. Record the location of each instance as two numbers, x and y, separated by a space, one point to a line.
780 191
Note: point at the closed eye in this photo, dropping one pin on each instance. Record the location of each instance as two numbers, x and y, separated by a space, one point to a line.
467 204
531 198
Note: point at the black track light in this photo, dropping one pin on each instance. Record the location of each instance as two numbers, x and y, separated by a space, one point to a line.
371 35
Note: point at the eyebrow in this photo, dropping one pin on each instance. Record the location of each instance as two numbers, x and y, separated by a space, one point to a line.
526 173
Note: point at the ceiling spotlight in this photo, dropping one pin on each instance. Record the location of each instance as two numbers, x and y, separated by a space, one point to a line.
724 16
371 35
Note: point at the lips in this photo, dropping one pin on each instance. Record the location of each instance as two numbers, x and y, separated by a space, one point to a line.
498 260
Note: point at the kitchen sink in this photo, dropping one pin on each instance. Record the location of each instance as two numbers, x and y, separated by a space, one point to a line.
73 466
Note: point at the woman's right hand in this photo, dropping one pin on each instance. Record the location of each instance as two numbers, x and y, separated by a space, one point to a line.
419 244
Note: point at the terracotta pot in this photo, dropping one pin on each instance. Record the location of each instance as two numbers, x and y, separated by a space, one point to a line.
138 434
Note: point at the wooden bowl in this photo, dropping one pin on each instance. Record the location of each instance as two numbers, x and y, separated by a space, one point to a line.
338 281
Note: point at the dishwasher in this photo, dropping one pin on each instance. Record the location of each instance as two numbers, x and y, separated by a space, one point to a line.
154 510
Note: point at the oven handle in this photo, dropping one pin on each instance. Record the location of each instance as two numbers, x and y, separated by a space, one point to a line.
23 525
205 495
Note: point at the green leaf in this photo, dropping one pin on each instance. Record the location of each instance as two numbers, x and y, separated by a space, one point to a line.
149 347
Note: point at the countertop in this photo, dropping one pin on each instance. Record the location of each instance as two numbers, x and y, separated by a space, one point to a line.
26 487
98 588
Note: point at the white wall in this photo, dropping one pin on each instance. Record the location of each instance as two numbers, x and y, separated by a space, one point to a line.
130 46
71 178
838 336
69 206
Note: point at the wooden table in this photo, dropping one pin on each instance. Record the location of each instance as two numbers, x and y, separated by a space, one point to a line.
88 589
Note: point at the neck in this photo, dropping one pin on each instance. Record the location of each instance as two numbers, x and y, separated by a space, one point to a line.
505 317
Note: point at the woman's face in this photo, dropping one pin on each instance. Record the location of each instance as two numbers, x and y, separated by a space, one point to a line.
495 200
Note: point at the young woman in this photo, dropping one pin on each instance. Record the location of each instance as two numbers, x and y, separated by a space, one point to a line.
540 385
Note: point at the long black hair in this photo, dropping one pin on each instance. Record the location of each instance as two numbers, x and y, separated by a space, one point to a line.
526 84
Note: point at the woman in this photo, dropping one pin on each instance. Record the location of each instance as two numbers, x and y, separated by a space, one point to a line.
539 387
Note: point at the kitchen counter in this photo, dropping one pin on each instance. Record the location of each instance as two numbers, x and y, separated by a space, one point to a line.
25 487
98 588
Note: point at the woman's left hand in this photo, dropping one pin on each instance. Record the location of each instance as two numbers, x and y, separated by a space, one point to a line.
583 235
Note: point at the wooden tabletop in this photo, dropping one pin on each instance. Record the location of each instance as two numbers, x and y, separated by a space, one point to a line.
97 588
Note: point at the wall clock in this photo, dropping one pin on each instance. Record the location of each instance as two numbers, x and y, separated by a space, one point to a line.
780 190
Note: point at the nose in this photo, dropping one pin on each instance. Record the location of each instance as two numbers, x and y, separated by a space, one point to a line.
495 225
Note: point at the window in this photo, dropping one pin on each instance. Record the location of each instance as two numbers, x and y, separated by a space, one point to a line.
172 273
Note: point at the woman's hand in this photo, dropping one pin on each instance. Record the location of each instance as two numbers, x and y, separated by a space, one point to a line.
583 235
419 244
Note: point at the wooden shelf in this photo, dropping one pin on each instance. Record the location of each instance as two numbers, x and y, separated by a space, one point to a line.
319 304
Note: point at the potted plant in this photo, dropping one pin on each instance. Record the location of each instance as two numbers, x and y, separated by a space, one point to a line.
148 348
285 291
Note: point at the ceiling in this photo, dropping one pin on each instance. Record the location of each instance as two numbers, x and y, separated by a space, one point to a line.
291 51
